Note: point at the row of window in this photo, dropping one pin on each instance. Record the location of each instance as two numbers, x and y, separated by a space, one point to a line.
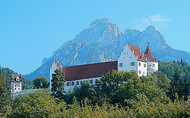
18 88
132 64
73 83
140 72
140 64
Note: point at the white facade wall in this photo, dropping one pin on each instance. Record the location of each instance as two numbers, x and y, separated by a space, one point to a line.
70 85
152 67
16 87
52 69
126 58
142 68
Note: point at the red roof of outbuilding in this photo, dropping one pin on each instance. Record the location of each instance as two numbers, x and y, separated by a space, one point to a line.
15 75
137 52
149 55
88 71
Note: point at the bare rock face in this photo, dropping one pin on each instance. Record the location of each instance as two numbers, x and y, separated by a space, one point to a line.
102 42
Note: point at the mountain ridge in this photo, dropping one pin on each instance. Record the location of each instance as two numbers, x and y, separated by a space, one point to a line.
102 42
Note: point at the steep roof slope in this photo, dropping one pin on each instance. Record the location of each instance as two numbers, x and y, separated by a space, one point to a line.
14 76
137 52
148 55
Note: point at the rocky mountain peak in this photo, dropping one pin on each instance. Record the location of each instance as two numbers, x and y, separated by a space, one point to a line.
101 31
150 28
101 21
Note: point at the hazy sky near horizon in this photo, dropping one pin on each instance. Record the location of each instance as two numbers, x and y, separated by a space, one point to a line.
31 30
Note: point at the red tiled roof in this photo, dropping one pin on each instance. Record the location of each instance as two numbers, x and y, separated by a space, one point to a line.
88 71
137 52
15 75
148 55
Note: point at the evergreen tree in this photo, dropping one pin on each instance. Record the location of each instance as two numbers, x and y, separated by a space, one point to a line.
58 80
186 88
176 87
4 93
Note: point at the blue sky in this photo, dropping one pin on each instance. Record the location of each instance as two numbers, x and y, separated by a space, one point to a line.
31 30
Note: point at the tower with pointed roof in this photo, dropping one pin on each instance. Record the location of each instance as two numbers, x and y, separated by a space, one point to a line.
151 61
16 83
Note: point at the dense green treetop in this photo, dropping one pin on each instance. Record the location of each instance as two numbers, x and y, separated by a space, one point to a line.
40 82
170 68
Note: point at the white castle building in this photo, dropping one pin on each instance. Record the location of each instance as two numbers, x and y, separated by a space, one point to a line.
130 59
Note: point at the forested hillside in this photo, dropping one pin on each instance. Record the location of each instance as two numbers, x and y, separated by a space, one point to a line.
27 84
170 68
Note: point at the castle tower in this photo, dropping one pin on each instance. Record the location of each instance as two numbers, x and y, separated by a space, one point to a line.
151 61
16 83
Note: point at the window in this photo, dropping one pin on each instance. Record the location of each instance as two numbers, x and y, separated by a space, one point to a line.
73 83
145 65
77 82
120 64
91 81
130 57
67 83
143 73
132 63
139 72
123 57
124 53
153 65
139 63
80 82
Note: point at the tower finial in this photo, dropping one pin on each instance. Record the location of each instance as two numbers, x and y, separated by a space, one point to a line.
148 43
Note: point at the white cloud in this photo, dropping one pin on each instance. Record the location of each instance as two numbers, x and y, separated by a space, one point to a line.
155 18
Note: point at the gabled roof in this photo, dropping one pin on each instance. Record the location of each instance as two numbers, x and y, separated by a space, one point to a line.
148 55
88 71
137 53
14 76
